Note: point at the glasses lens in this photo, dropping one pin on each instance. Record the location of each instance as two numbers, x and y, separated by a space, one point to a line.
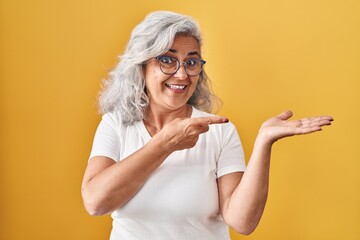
193 66
168 65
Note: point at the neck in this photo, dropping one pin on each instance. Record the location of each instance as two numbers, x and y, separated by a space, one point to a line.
155 120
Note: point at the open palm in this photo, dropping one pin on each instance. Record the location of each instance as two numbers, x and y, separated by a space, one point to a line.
279 127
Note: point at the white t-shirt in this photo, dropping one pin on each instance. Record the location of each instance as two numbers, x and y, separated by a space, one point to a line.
180 199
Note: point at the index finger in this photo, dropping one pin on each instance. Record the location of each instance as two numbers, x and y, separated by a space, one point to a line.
210 120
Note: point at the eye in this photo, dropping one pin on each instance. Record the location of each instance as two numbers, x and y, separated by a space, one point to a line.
192 62
167 60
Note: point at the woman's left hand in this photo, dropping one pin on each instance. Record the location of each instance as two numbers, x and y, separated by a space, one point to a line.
278 127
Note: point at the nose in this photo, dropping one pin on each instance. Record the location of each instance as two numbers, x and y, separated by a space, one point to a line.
181 73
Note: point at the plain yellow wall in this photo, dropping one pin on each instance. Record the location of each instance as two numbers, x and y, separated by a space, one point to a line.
263 56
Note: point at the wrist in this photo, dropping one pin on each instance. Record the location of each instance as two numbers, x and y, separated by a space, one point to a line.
264 140
161 144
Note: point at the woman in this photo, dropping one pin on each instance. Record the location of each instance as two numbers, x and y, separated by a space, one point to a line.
162 165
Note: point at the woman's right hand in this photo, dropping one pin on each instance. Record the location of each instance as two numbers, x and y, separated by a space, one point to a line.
183 133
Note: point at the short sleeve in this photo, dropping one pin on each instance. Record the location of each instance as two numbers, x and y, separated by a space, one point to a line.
106 141
232 157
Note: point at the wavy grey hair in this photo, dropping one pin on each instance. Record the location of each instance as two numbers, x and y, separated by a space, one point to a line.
124 90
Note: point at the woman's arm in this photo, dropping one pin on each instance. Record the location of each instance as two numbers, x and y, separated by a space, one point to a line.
243 196
107 184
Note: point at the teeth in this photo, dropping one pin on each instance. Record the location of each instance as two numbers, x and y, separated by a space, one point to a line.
175 86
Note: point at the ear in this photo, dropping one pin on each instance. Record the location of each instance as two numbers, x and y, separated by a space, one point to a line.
143 68
143 71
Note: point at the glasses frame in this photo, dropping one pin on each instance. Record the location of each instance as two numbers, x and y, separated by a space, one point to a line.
181 63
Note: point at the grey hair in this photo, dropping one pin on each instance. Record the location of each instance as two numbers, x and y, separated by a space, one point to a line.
124 90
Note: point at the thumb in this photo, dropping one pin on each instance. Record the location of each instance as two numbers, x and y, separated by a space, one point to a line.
285 115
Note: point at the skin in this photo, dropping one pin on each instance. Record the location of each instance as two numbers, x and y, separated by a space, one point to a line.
108 185
166 104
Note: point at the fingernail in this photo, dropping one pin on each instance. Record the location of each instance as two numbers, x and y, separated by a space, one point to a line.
226 120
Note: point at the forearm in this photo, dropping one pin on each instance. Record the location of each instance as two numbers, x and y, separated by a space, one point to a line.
248 200
115 185
244 207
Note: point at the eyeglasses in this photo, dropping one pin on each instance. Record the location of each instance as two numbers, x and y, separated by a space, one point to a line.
170 65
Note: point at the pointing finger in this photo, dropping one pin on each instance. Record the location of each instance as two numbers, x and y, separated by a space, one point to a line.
210 120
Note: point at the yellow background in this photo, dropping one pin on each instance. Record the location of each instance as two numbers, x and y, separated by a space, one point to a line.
263 57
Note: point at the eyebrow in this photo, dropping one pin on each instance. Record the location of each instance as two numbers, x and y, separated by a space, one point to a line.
189 54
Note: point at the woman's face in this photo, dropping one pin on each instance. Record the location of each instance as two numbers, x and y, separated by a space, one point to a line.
171 92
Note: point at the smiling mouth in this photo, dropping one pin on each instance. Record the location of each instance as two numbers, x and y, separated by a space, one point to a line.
175 87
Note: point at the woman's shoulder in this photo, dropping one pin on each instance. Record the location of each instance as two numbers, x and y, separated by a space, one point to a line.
114 119
113 116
